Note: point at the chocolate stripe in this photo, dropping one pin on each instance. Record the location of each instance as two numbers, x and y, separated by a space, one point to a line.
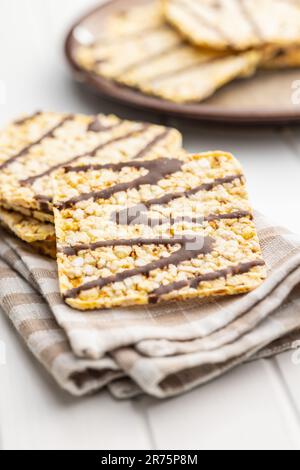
213 26
97 126
141 218
91 153
191 192
133 212
147 165
26 119
74 250
230 216
157 170
258 32
149 58
42 197
142 153
183 254
241 268
44 203
187 68
128 37
26 150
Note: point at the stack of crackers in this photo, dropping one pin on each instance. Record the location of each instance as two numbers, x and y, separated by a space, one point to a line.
129 215
185 50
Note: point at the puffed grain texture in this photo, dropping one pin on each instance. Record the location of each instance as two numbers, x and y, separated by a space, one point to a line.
208 200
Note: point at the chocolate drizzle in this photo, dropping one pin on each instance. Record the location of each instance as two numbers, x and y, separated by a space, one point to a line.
157 170
134 212
127 37
280 53
26 150
74 250
44 203
198 246
156 55
26 119
187 68
97 126
241 268
191 192
250 20
139 217
160 54
213 26
142 153
91 153
191 246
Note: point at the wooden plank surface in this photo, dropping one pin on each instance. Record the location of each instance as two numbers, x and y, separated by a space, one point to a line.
237 411
36 414
254 406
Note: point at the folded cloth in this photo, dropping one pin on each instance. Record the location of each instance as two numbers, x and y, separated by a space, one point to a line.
164 349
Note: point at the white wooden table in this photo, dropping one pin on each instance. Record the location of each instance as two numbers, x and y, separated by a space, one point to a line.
256 406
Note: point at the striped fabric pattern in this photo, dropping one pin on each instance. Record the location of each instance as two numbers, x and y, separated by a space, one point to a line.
161 350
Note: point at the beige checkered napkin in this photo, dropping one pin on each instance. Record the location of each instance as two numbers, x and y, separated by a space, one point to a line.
34 321
164 349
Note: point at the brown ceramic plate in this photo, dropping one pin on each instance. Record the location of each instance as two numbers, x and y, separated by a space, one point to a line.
265 98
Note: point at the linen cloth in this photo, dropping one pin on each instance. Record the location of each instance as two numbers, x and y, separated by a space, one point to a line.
162 350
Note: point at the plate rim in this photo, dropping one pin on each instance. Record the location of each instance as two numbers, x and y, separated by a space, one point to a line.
131 97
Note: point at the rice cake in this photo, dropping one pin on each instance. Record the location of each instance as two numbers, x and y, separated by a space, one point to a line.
26 228
32 148
169 228
157 60
236 24
38 235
